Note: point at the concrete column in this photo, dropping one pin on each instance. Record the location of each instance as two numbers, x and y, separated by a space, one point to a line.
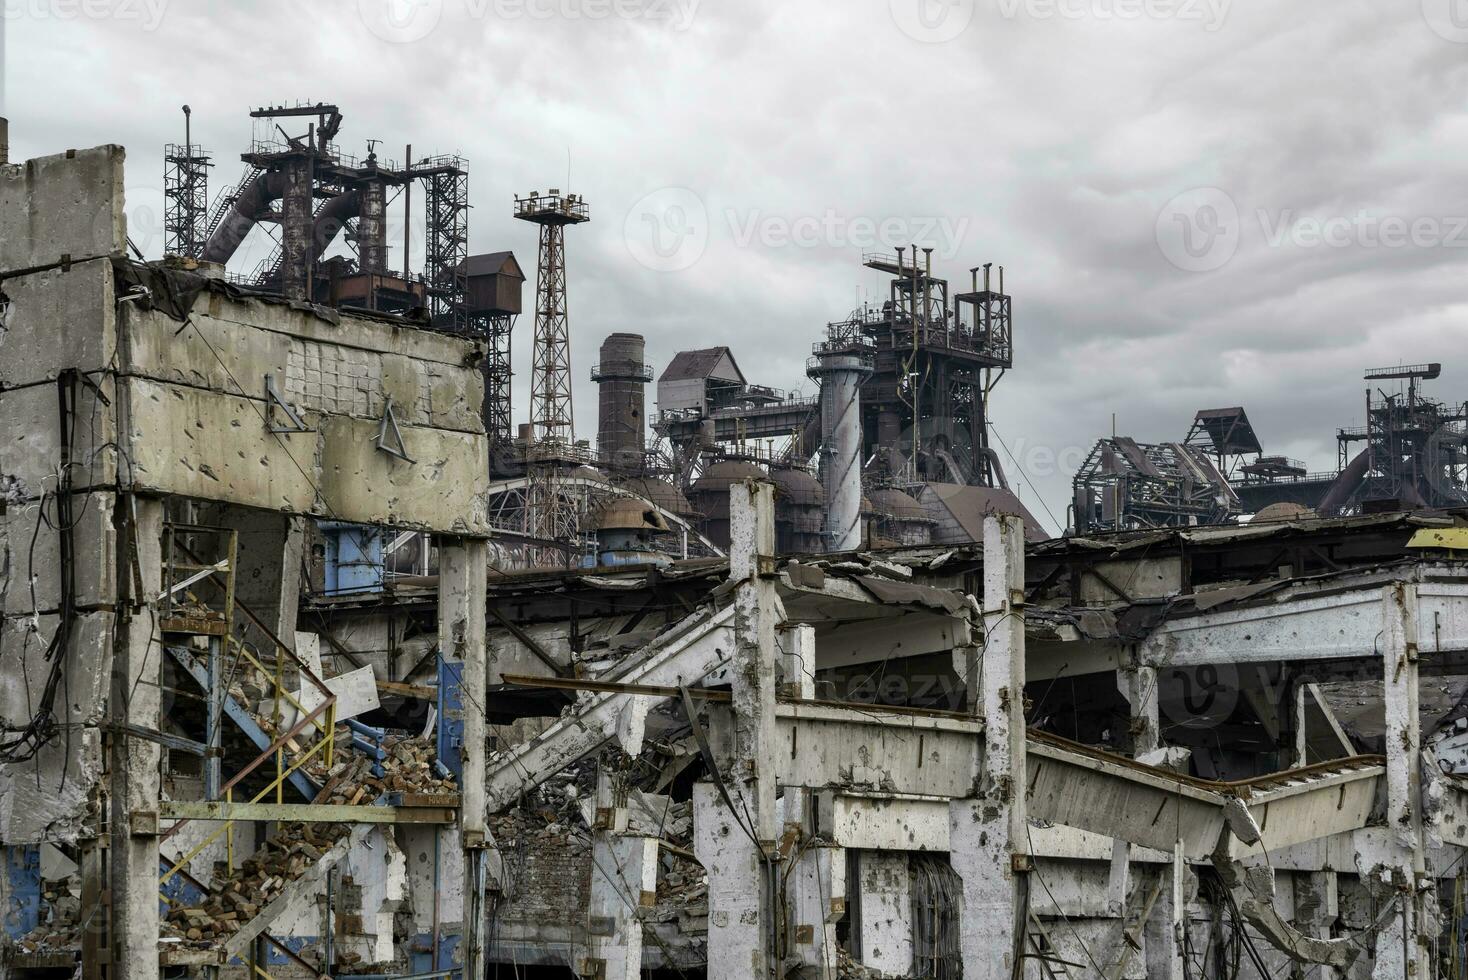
737 923
1162 940
1400 945
1138 684
1162 931
816 896
884 896
624 877
756 611
1317 906
136 700
988 835
462 596
798 657
735 846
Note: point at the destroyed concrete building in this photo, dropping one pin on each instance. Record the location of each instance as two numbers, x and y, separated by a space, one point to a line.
297 684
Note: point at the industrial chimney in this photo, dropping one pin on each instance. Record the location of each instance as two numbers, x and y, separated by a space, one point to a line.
840 365
621 376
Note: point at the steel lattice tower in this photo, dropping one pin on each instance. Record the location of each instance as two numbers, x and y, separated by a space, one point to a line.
550 515
550 377
446 192
495 329
185 196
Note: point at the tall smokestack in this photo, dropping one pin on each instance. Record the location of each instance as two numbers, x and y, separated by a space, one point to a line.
621 377
841 372
4 140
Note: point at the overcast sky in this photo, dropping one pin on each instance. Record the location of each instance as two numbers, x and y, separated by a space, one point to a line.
1197 202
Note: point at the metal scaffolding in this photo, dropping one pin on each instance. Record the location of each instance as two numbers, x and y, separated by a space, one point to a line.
495 328
446 207
185 196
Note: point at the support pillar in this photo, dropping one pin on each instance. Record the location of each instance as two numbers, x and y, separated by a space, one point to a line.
737 847
1162 934
1162 931
884 897
988 834
1401 946
462 596
136 700
624 877
798 654
816 895
736 936
1317 906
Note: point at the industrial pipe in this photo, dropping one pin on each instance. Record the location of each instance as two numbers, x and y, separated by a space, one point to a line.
249 204
841 374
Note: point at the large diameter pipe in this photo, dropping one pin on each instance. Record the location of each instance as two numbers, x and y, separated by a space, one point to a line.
841 377
251 202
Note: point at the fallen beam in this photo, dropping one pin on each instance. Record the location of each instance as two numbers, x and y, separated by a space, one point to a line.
305 812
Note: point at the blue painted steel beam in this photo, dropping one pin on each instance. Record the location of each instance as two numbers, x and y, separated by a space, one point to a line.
237 714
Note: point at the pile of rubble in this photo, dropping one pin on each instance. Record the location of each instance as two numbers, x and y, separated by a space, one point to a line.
408 763
236 897
407 766
61 932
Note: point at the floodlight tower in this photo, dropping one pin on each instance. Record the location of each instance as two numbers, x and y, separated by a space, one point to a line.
551 516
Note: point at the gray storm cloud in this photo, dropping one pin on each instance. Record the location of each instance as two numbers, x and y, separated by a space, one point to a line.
1050 137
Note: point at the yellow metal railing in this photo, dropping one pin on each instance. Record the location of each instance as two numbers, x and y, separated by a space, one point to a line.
274 783
328 705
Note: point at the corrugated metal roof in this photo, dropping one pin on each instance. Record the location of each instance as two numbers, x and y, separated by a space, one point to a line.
493 264
695 364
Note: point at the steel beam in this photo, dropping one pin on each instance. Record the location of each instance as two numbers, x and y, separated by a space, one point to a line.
304 812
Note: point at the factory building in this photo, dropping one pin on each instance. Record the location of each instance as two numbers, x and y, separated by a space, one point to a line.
316 664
